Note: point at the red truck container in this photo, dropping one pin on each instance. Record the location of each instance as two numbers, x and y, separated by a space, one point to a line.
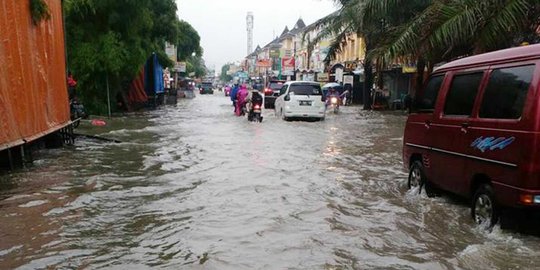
33 91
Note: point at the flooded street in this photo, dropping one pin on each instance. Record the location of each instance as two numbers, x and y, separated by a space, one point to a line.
195 187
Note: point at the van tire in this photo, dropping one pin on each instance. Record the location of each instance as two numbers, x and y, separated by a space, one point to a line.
417 177
484 209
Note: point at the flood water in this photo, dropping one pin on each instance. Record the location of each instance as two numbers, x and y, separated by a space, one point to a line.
195 187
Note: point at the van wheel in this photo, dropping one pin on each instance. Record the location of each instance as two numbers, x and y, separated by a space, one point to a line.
418 179
484 209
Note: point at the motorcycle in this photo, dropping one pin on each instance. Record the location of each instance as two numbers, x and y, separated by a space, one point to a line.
77 112
255 110
254 114
333 103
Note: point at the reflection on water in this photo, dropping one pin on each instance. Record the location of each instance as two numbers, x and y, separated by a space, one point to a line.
195 186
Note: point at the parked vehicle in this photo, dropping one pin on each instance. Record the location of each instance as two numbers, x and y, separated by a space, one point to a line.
77 112
474 131
271 92
300 100
206 88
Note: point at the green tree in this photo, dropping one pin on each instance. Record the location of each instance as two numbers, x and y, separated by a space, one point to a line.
195 64
224 77
111 40
188 41
451 28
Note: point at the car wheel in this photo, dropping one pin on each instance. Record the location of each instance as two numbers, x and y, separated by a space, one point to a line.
484 209
283 116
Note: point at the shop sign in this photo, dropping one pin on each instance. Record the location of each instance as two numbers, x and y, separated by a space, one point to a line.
323 77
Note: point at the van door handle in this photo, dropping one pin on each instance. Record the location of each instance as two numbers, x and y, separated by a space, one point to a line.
427 124
465 128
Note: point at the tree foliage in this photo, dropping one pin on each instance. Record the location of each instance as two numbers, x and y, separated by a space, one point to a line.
429 31
224 76
111 40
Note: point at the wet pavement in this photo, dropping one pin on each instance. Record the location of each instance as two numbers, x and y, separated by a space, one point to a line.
195 187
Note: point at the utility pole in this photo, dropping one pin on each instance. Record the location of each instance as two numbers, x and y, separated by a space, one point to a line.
249 22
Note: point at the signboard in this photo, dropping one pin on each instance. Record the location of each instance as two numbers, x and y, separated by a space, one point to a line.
348 79
323 77
181 66
287 66
170 50
192 74
408 69
264 63
274 53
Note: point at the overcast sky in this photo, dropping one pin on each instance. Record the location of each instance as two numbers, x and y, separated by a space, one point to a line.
222 23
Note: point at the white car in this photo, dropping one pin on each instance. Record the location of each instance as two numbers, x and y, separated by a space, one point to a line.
300 100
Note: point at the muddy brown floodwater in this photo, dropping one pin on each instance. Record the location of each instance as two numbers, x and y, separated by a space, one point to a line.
194 187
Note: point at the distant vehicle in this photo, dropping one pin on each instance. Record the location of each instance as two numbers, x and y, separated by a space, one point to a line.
271 92
206 88
473 131
300 100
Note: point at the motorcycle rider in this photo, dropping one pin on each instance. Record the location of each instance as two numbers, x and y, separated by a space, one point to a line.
241 100
253 97
332 92
234 92
346 95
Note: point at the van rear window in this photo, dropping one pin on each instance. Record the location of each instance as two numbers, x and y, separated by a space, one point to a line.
506 92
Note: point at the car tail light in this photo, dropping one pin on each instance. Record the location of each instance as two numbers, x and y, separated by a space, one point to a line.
268 91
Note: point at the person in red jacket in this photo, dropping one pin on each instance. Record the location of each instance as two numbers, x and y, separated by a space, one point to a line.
72 83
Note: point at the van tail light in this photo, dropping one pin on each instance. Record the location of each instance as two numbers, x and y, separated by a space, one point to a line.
526 199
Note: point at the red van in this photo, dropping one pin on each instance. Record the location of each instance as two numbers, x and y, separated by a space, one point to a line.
474 131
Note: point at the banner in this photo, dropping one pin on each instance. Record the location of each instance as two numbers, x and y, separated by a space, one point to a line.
170 50
264 63
287 66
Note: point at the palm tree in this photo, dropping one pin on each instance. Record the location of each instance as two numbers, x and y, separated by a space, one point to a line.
447 29
371 20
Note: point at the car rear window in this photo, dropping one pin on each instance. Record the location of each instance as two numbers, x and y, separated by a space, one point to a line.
276 86
207 85
306 90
